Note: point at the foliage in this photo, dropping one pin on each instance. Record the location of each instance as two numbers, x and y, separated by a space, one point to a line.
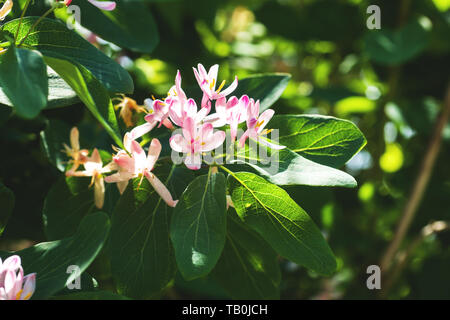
354 109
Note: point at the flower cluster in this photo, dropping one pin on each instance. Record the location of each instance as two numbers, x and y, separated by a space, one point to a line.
197 135
13 284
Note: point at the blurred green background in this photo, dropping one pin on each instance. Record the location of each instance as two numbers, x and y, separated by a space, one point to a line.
391 83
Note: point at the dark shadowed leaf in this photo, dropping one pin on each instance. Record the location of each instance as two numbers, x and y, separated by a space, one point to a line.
248 267
23 79
6 206
50 260
198 226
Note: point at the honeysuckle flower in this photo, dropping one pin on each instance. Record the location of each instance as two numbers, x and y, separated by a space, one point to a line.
103 5
195 140
180 107
231 112
127 106
138 165
255 125
78 156
208 80
93 167
6 9
179 113
13 284
158 111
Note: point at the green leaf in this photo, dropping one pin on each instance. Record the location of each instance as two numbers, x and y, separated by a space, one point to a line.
65 208
91 92
54 39
53 138
266 88
6 206
91 295
142 258
270 211
248 267
395 47
60 94
198 225
285 167
23 78
69 200
325 140
50 260
130 25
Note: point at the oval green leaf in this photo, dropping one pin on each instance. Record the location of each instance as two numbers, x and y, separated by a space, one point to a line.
198 226
326 140
269 210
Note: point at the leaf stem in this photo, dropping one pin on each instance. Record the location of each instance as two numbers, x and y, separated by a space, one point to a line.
36 23
21 18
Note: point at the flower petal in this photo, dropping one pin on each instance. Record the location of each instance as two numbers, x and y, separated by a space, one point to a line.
139 131
161 189
269 144
215 141
212 74
122 185
119 177
193 161
104 5
138 154
230 88
99 191
124 161
29 286
243 138
153 153
178 143
189 129
264 118
75 139
6 8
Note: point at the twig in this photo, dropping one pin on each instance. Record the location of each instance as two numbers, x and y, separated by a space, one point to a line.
403 257
419 186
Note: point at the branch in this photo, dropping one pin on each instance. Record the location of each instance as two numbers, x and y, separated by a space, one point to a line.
419 186
403 257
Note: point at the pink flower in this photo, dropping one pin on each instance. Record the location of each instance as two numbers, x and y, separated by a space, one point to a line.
180 112
207 82
180 107
232 113
103 5
13 285
158 111
195 140
138 165
255 125
6 9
